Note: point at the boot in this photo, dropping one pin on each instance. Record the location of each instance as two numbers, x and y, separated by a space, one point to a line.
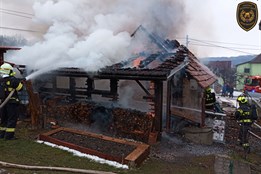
2 134
9 136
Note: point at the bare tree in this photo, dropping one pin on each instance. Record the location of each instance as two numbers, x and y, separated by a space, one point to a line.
13 40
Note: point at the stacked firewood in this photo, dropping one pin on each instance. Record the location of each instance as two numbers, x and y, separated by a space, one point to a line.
75 112
81 112
126 123
132 123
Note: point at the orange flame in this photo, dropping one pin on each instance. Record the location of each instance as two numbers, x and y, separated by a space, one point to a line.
137 61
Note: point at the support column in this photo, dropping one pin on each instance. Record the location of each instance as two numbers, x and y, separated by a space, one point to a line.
168 112
158 106
90 87
114 89
203 109
72 88
1 57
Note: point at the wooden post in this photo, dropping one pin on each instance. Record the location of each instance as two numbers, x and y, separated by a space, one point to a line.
34 105
1 57
168 112
203 109
72 88
158 106
90 87
114 89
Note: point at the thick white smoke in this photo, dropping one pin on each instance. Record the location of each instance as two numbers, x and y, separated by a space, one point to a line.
92 34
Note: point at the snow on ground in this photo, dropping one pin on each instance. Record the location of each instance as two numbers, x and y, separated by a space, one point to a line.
91 157
232 101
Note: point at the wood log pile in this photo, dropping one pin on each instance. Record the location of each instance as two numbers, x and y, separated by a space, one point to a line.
132 124
126 123
75 112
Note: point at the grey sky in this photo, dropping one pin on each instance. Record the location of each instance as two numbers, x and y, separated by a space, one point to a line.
204 20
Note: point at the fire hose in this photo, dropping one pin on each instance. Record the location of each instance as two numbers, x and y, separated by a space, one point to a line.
7 98
65 169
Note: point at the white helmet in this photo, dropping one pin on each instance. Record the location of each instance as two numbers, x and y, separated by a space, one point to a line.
6 68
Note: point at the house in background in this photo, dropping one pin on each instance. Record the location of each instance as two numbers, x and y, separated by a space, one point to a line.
224 71
250 68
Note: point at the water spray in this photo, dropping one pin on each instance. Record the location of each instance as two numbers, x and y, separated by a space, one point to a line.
39 72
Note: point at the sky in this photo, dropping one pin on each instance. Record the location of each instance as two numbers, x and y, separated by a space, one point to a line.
92 34
216 21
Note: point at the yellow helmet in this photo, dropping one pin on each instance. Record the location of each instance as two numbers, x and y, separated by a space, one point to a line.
208 90
241 99
6 68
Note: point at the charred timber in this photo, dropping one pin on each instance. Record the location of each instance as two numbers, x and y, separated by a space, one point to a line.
149 74
66 92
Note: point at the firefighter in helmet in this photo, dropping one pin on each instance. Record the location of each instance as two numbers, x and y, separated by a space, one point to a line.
210 99
9 112
245 115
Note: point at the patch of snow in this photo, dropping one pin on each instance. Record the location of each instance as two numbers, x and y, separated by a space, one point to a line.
80 154
232 101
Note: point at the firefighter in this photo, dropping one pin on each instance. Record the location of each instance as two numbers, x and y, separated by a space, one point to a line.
210 99
9 112
245 115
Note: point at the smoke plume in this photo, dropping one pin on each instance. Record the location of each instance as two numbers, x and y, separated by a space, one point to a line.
92 34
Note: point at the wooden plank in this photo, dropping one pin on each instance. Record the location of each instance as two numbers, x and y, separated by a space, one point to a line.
137 152
193 116
107 138
80 148
135 158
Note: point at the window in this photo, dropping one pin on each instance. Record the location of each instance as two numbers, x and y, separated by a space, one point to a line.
247 70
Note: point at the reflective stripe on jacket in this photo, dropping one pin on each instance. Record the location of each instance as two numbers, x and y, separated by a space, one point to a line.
13 83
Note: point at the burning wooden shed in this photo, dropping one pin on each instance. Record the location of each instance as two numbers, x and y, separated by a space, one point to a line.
171 78
169 83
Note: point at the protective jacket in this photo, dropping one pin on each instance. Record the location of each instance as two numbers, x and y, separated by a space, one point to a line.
210 100
9 113
245 115
12 83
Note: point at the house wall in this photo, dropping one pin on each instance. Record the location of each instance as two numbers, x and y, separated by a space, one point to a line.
256 69
241 74
188 103
191 97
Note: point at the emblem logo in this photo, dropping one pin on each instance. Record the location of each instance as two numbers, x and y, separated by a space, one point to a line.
247 15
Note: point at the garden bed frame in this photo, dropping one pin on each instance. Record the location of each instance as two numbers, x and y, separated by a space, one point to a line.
133 159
